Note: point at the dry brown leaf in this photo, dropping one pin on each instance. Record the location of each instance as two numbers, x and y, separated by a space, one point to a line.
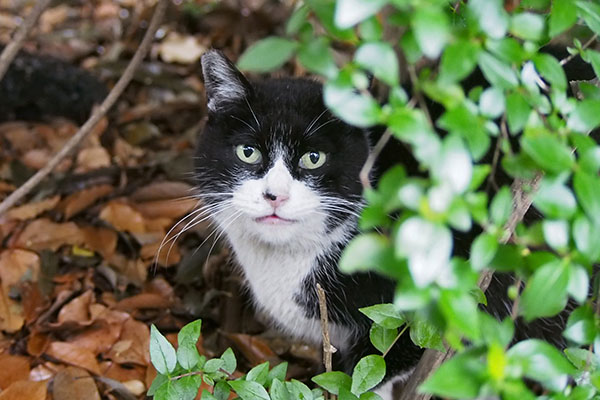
115 371
42 373
6 187
169 254
92 158
133 345
134 270
21 390
255 349
38 158
15 263
161 191
52 17
74 355
176 48
44 234
11 313
170 208
77 309
144 301
37 343
74 383
123 217
18 369
79 201
20 136
34 303
32 210
100 240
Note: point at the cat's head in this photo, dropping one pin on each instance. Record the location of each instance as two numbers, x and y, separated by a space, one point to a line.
273 164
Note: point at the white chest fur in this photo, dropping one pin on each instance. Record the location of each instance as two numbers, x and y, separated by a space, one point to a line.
275 278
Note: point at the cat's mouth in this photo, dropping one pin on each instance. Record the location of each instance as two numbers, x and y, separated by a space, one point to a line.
274 219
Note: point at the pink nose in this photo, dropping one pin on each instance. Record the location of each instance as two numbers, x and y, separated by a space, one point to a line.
275 200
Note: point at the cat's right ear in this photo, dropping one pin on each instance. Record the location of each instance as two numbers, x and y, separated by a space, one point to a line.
224 83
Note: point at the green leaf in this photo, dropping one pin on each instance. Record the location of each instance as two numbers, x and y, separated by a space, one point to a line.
363 252
460 310
187 353
554 199
581 326
540 360
345 394
546 292
213 365
458 61
483 250
427 246
527 26
267 54
354 108
589 159
297 19
380 59
162 353
548 152
431 28
497 72
385 315
382 338
453 168
562 16
556 233
206 395
425 335
585 117
587 189
325 10
587 238
491 102
316 57
590 12
371 29
229 361
279 391
583 358
491 16
248 390
278 372
459 377
579 283
351 12
298 390
501 206
187 387
368 372
551 70
517 112
222 391
157 383
333 381
259 373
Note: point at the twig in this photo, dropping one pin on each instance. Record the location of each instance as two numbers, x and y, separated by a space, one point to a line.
15 44
373 154
585 46
327 347
432 359
395 340
515 307
97 114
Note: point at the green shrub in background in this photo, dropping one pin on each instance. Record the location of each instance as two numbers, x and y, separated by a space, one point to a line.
555 166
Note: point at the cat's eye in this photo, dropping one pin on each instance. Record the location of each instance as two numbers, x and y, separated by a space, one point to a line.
312 159
248 154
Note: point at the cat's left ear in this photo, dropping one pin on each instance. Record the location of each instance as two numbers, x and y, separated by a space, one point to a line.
224 83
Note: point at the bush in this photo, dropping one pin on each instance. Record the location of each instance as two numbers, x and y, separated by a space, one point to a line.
527 120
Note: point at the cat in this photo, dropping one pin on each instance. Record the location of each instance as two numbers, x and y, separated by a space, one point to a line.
279 175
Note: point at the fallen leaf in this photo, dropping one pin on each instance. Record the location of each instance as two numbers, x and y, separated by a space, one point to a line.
74 355
143 301
20 136
21 390
123 217
11 313
19 369
6 187
74 383
77 309
133 345
171 208
134 270
79 201
37 343
176 48
160 191
168 256
17 265
112 370
92 158
32 210
255 349
41 373
34 303
101 240
52 17
43 234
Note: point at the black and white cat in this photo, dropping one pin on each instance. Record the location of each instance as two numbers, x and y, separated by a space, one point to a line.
280 177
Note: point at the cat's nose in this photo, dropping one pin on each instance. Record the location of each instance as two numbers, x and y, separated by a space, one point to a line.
275 200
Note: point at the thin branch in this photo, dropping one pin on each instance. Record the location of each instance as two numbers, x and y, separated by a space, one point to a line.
585 46
97 114
395 340
328 349
432 359
15 44
373 154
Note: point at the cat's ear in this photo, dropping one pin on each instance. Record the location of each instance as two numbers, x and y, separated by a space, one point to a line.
224 83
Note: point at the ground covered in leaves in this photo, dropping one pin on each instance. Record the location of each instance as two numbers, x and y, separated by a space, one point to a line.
81 275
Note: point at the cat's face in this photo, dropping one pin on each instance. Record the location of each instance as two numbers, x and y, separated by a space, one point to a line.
272 163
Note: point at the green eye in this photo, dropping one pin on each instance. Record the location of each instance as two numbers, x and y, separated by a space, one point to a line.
312 159
248 154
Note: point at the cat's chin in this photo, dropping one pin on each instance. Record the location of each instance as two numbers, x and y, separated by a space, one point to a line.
275 220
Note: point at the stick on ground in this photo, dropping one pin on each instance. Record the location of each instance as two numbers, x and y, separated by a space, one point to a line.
98 113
